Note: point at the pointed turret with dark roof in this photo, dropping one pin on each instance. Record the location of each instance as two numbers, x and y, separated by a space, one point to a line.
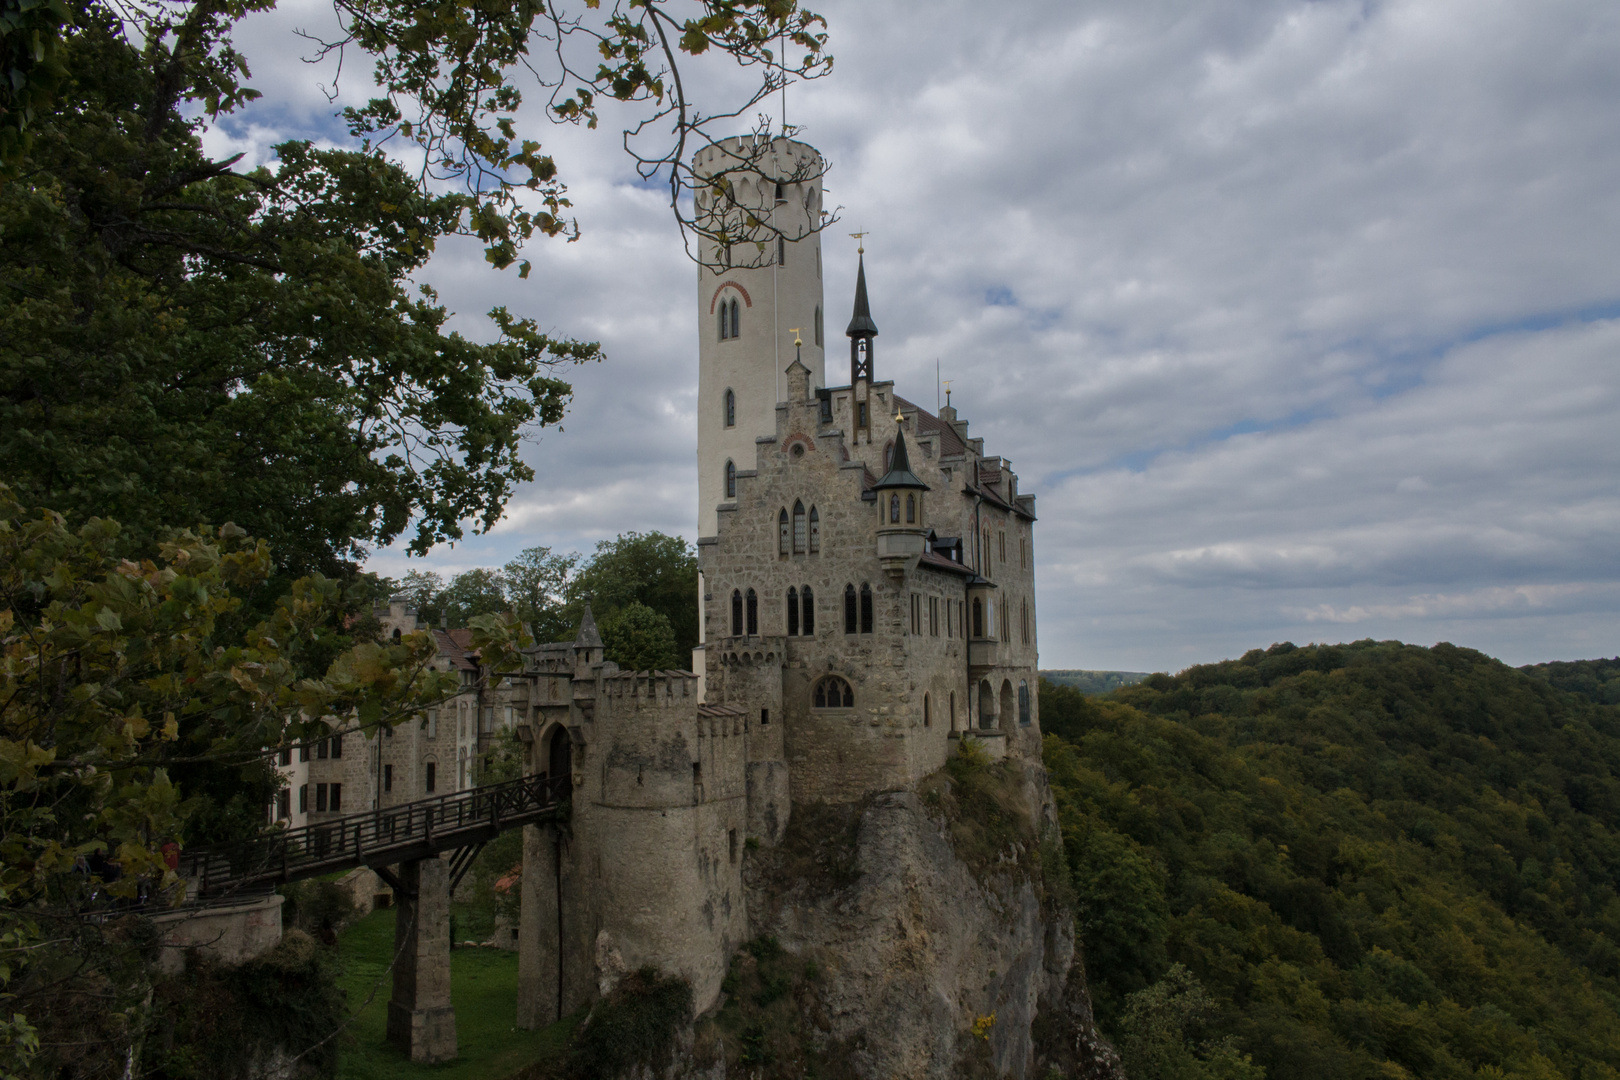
861 330
900 474
588 636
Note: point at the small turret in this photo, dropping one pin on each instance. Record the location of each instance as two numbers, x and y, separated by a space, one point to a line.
587 645
902 532
861 331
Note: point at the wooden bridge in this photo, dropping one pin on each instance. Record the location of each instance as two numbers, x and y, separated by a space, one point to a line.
463 823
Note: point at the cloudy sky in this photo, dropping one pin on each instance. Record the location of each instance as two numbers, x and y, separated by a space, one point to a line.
1301 319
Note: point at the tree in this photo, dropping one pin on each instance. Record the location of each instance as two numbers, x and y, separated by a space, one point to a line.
186 342
537 589
117 678
637 638
651 569
471 594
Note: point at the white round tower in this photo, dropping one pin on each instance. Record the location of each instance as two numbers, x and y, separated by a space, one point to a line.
751 296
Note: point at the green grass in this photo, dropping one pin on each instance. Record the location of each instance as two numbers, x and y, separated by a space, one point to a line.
483 988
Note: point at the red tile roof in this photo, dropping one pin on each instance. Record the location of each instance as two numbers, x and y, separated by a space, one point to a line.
929 424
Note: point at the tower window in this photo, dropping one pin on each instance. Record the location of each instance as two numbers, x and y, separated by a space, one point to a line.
780 197
782 532
911 509
833 693
793 612
815 531
928 717
725 320
1023 702
736 613
894 509
800 532
430 772
978 617
731 480
1023 617
866 608
809 602
781 251
818 309
850 617
953 710
753 613
731 409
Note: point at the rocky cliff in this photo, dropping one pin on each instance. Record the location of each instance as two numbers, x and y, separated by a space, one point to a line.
915 934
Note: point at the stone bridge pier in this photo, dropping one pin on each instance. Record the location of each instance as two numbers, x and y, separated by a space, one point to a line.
421 1020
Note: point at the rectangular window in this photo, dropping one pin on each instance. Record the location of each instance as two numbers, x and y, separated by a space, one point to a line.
320 750
1001 544
303 798
286 755
320 798
950 619
431 770
1023 553
933 616
337 745
303 752
510 713
914 607
337 798
764 717
388 778
489 719
433 723
284 804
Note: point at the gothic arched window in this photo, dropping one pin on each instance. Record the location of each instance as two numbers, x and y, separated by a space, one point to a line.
731 409
782 532
793 612
1023 702
809 623
736 318
799 531
849 609
894 509
725 320
978 617
731 480
815 531
833 693
736 613
753 613
866 608
911 509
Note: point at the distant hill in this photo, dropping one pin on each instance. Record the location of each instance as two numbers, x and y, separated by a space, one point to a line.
1594 680
1093 682
1367 860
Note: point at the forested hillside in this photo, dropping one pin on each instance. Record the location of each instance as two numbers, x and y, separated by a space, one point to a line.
1368 860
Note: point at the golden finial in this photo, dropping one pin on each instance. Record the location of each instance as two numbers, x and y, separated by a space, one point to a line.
947 391
795 331
899 417
860 244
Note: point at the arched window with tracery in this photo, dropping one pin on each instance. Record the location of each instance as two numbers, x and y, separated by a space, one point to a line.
850 608
793 612
736 613
782 532
815 531
753 613
731 408
911 509
894 509
833 692
978 617
800 537
809 601
866 608
731 480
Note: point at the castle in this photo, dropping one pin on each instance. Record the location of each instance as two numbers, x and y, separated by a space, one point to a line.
868 599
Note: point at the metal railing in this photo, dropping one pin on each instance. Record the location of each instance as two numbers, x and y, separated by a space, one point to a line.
413 830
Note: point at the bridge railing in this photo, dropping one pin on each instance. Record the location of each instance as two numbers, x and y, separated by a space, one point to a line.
411 830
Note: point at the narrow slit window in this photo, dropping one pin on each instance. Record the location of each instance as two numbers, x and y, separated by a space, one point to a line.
850 623
731 480
793 612
815 531
800 529
911 509
736 613
753 613
731 408
866 608
782 533
809 601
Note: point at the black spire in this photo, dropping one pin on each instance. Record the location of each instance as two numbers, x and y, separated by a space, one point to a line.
861 331
900 474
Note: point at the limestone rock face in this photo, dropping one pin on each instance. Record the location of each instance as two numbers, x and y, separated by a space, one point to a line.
916 951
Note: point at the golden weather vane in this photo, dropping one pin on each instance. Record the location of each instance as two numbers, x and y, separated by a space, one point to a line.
795 331
947 391
859 238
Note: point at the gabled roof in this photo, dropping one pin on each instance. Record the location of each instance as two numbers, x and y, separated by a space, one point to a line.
456 645
950 443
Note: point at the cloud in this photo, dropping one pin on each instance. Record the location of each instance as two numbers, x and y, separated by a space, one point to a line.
1299 317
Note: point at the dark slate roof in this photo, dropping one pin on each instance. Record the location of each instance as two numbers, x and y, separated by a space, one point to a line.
940 562
950 442
861 322
588 637
457 645
900 474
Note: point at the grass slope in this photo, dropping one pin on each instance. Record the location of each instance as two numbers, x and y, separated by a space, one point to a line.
1370 860
483 988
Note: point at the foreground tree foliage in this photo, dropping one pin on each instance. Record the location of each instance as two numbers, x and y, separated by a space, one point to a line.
184 340
118 679
1376 860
